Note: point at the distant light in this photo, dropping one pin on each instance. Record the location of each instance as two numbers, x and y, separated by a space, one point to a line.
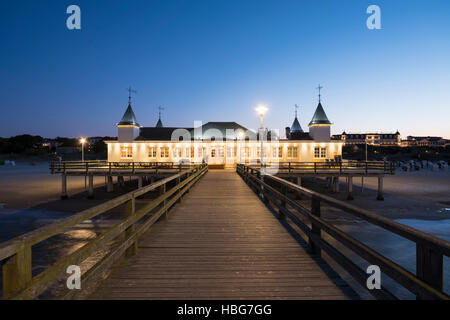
261 110
82 140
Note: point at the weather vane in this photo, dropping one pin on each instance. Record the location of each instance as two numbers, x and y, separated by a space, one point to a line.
319 88
130 91
296 108
160 109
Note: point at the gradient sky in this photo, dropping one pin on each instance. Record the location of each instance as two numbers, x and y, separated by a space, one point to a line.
215 60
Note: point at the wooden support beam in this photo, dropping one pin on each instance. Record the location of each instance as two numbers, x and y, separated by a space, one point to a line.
130 209
350 188
140 182
429 267
17 272
91 187
109 184
380 188
315 229
64 186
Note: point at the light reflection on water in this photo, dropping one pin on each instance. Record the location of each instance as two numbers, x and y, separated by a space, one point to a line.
396 248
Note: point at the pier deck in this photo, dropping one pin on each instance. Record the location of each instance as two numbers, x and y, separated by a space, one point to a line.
221 242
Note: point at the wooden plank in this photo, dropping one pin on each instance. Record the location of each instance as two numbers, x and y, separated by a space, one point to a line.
220 242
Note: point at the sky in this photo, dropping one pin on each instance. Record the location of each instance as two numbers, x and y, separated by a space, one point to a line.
216 60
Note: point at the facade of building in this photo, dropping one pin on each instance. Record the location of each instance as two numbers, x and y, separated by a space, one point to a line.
375 139
222 143
436 142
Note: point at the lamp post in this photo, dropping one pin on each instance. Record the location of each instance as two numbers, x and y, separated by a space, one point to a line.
261 110
240 137
82 141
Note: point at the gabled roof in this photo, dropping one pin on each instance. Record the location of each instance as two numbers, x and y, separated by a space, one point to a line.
319 116
209 129
296 127
128 117
157 133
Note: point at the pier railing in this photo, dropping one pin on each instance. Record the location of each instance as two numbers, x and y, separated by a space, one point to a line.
106 167
332 166
427 283
15 254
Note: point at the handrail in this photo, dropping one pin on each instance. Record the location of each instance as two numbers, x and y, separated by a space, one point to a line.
113 166
426 284
18 282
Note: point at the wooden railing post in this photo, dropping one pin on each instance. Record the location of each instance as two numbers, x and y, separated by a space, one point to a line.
130 208
17 272
178 189
162 190
281 214
429 267
110 167
315 210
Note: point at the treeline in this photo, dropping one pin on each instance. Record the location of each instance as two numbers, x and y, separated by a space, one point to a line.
36 145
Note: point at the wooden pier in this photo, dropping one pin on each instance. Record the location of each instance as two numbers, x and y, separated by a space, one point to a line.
221 242
221 235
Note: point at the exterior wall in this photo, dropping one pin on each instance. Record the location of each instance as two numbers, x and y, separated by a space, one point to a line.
227 152
320 133
127 133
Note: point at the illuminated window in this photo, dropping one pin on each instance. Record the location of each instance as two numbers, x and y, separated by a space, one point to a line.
199 152
164 152
151 152
274 152
177 152
213 153
126 152
220 152
230 152
280 152
292 152
247 152
188 152
320 152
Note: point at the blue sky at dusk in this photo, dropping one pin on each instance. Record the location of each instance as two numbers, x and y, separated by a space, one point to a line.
215 60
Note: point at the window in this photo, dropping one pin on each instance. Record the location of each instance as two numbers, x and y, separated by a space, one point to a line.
220 152
274 152
151 152
230 152
164 152
320 152
188 152
126 152
247 152
199 152
177 152
292 152
213 153
280 152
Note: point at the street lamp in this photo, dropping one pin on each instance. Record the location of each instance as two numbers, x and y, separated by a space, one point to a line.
82 141
261 110
240 135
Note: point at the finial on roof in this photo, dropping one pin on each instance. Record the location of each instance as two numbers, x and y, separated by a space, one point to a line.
159 123
296 108
319 88
130 91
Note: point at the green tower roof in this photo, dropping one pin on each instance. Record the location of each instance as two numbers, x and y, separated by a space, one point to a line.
128 117
319 116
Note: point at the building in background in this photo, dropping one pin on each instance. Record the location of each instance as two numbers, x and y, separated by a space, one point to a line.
413 141
221 143
375 139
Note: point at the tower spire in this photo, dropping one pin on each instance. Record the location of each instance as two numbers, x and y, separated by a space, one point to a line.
296 108
319 88
130 91
159 123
